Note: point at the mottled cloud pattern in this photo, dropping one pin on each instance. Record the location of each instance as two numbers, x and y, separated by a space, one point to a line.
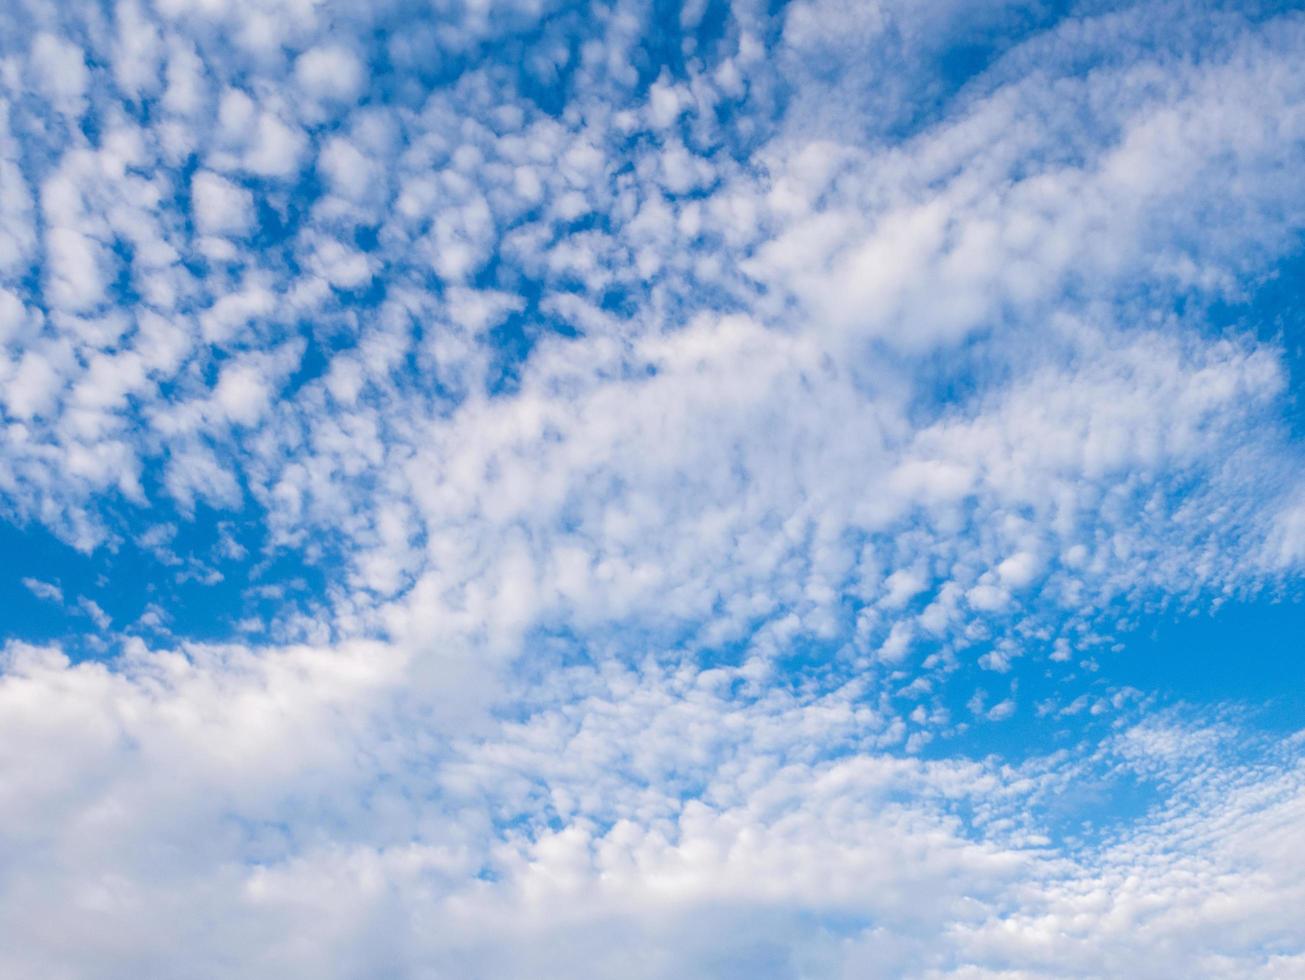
726 489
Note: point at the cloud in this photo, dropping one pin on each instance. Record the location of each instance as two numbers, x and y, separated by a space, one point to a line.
330 73
59 70
221 208
609 508
43 590
645 800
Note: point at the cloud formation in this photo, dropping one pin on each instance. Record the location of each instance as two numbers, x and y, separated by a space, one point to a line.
571 490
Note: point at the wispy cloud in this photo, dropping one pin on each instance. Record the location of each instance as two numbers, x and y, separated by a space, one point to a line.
43 590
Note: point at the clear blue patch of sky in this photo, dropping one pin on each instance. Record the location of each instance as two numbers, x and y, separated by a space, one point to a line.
1245 656
1251 652
125 578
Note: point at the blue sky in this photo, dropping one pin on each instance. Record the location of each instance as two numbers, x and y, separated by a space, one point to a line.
716 489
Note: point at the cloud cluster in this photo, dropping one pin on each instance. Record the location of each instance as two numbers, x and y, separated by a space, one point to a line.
643 819
657 456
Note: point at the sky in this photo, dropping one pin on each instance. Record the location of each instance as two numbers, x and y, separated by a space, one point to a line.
531 489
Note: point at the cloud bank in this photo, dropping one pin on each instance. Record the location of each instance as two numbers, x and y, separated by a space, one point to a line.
543 489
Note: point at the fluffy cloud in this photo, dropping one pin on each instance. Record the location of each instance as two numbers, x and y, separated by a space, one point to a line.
221 208
648 799
670 509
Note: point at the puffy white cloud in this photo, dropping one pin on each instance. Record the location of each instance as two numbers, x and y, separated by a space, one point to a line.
58 68
241 393
330 72
256 140
76 269
36 383
220 207
194 781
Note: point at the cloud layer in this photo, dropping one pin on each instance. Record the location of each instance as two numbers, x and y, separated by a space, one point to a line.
567 490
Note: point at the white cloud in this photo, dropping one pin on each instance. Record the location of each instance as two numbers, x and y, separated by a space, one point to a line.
232 755
97 615
794 356
241 393
256 140
76 269
43 590
330 72
275 149
59 70
220 207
